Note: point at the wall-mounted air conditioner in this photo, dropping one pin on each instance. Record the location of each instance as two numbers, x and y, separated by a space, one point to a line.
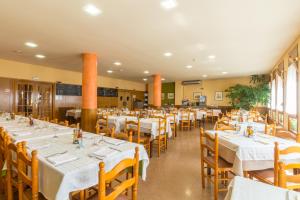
192 82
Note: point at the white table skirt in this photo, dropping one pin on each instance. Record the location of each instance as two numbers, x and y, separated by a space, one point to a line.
250 153
246 189
75 113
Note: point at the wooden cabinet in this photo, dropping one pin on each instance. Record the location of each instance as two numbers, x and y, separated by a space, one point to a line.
33 98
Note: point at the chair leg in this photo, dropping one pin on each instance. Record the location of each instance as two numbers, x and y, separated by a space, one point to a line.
216 185
202 174
158 148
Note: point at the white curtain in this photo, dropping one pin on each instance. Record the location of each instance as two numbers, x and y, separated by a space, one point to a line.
291 90
279 93
273 106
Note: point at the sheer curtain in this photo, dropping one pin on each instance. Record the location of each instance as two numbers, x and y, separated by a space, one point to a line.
273 106
279 93
291 90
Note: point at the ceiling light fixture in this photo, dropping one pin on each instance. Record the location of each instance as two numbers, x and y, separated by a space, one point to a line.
163 79
189 66
146 72
92 10
109 71
211 57
40 56
224 72
168 4
117 63
168 54
31 44
204 75
144 79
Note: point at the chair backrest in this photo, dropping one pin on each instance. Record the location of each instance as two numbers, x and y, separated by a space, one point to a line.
162 126
287 181
131 182
24 164
55 121
277 154
270 129
12 166
186 116
213 149
64 123
134 127
102 121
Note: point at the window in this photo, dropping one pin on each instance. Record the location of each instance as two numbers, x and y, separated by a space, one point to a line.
273 95
291 90
279 105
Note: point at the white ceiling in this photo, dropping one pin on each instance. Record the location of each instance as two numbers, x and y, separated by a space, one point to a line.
246 36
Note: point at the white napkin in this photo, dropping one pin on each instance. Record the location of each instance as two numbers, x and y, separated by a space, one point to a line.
22 133
114 141
103 152
61 159
39 146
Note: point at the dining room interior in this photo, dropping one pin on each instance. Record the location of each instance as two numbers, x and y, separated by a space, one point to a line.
149 100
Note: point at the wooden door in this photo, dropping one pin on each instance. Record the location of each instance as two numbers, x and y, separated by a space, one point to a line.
43 100
24 98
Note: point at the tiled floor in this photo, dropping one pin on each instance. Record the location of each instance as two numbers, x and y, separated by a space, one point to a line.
176 174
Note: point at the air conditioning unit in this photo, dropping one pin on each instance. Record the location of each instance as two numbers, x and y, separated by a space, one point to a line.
192 82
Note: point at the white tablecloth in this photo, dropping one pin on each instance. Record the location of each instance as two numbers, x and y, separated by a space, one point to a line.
56 182
246 189
247 154
75 113
257 127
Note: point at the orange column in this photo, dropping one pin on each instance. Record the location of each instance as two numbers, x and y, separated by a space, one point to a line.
157 90
89 92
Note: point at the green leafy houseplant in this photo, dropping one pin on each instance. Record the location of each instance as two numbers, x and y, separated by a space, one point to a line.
249 96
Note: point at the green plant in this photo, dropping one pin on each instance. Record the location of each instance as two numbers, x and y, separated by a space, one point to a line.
248 96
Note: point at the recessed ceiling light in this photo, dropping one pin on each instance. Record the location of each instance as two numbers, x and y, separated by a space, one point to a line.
211 57
117 63
168 54
204 75
40 56
224 72
168 4
92 10
144 79
189 66
31 44
163 79
109 71
146 72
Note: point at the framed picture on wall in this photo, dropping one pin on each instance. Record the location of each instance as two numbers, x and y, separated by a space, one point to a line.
196 95
219 96
170 95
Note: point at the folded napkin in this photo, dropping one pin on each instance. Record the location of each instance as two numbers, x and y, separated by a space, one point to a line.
262 141
61 159
21 133
103 152
114 141
39 146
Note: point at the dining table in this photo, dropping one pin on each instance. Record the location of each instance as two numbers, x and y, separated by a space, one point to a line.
65 167
241 188
250 153
148 125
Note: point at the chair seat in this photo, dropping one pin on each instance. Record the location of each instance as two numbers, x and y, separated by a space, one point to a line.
28 195
266 176
108 191
143 139
121 136
222 164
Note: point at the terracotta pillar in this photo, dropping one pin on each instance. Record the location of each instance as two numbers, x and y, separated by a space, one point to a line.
157 90
89 92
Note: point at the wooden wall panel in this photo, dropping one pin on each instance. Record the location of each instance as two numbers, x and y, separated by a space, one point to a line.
107 102
6 94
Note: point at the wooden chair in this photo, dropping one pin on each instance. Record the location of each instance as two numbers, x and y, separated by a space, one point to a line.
160 141
123 136
288 135
209 116
109 193
185 121
12 167
270 176
173 124
64 123
135 128
77 125
287 181
4 141
270 129
223 125
212 161
102 121
25 163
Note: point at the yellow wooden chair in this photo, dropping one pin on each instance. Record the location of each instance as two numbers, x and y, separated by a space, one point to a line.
213 161
160 141
185 121
288 181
